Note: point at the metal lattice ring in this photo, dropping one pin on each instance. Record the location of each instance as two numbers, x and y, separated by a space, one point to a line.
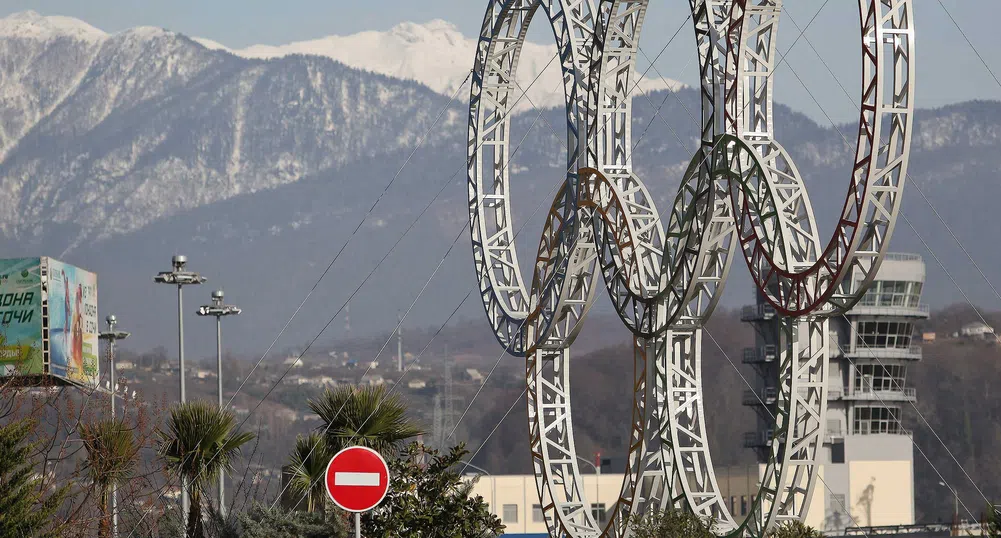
810 279
491 103
777 230
621 212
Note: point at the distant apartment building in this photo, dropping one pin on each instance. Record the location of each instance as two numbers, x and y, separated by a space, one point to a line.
867 456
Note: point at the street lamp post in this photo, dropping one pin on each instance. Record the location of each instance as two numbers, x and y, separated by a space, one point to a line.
597 486
112 336
955 508
218 309
493 487
180 278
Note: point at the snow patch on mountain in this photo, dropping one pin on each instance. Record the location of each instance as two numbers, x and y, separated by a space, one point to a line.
32 25
435 54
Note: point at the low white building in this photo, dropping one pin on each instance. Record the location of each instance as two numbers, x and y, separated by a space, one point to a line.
876 499
515 500
977 329
474 375
322 381
293 361
372 379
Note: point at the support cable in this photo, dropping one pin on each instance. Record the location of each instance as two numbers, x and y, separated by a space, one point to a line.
920 238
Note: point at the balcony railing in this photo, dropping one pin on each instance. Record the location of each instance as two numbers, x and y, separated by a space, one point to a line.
758 312
902 257
767 396
921 310
908 394
863 351
758 355
758 439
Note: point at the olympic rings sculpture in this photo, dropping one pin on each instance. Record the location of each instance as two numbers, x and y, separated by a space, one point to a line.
741 189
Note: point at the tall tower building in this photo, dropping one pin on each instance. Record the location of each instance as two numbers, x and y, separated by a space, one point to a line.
868 457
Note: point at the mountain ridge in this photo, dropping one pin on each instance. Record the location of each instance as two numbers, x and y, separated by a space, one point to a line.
119 152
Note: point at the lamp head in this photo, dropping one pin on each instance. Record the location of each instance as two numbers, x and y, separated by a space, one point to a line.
217 296
178 261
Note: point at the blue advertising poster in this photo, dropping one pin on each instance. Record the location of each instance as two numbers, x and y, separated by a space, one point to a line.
73 329
21 317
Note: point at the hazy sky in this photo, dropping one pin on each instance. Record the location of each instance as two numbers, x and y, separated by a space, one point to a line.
948 69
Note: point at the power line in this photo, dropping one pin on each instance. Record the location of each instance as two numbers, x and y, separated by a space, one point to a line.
918 235
445 184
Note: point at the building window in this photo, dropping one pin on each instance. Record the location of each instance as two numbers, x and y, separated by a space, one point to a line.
877 420
879 378
892 293
598 512
510 513
883 334
743 505
537 515
733 504
838 451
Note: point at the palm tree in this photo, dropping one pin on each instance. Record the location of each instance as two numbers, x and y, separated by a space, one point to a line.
111 459
200 442
308 467
367 416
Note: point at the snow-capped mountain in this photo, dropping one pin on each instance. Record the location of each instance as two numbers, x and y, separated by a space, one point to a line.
104 134
118 150
435 54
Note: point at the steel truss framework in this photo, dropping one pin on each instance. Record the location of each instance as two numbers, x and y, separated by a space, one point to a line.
741 189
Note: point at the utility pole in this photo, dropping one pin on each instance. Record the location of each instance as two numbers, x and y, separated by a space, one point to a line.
437 424
399 344
955 508
218 309
112 336
179 277
448 421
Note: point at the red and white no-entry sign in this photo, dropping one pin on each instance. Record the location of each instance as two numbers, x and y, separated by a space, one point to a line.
357 479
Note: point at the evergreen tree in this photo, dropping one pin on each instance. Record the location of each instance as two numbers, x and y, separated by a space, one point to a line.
24 509
672 523
795 529
430 500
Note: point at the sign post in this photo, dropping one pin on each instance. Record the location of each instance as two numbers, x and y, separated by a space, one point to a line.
357 481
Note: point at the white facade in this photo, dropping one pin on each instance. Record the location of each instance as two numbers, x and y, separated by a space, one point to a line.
867 475
515 499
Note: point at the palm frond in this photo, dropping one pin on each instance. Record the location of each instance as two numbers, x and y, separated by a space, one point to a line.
367 416
111 452
200 442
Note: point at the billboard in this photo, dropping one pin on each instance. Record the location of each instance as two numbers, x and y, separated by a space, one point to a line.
21 317
73 325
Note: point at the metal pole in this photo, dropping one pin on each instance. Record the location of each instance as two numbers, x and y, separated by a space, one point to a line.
399 346
180 353
955 510
357 524
597 489
218 340
114 485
